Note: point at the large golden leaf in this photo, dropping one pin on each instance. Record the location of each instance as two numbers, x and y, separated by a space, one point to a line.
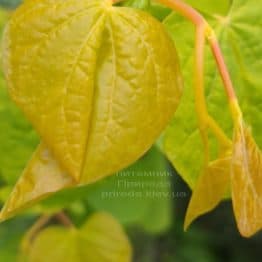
246 181
99 83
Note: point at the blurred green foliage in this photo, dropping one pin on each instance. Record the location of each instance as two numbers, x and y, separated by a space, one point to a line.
18 140
10 3
140 194
11 234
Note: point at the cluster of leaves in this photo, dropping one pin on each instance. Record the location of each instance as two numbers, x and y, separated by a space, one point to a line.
236 168
238 29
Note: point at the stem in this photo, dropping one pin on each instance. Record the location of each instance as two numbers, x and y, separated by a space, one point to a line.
203 28
38 226
235 111
198 20
221 64
199 73
64 219
34 230
200 102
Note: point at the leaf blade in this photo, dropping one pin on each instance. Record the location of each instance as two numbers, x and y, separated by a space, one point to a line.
210 189
123 104
211 7
246 182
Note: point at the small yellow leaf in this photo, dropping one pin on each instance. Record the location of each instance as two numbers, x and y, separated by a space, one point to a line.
210 189
246 181
101 239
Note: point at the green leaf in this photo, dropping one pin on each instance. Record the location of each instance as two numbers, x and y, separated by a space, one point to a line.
239 35
100 239
207 6
17 138
4 15
156 9
212 7
140 194
11 234
141 4
10 3
102 108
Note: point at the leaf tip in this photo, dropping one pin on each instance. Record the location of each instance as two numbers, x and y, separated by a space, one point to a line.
187 225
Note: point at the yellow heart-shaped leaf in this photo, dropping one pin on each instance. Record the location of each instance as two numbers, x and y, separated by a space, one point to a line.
98 82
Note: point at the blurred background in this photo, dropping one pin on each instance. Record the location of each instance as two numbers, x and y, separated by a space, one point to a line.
149 199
